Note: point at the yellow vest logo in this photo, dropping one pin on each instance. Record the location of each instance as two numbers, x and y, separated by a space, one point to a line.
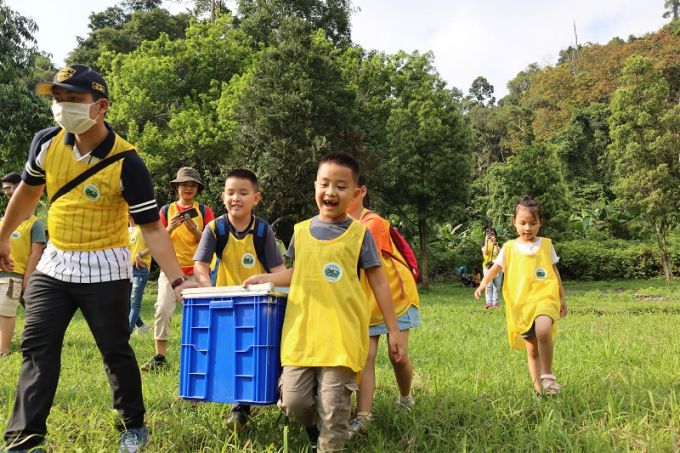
92 192
15 235
541 273
332 272
133 239
248 260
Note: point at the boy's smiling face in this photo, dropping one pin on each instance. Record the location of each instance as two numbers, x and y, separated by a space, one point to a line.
239 197
335 189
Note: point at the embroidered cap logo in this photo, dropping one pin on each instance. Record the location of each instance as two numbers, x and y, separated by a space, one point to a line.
65 74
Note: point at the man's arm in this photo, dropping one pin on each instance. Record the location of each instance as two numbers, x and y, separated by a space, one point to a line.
20 207
159 243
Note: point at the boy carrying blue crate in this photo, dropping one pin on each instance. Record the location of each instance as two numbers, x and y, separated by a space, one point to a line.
245 245
324 343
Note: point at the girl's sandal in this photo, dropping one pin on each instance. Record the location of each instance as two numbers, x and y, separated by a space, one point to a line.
549 384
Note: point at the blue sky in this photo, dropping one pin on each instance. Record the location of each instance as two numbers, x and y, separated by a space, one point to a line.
492 38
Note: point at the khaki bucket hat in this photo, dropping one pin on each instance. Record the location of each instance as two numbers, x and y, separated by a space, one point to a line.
185 174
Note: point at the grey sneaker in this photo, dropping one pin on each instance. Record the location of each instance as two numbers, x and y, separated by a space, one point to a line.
405 403
144 328
134 440
358 426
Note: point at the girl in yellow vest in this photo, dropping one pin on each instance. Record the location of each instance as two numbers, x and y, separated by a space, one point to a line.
406 307
490 251
533 293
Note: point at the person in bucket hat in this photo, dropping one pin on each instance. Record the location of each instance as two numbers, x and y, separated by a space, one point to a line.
184 220
86 264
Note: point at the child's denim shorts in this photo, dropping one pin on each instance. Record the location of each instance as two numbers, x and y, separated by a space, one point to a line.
408 320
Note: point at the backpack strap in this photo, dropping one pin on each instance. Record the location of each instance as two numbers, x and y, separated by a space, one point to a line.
102 164
221 234
258 229
166 210
202 210
260 233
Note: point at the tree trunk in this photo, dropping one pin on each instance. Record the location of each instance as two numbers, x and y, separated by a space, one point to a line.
422 233
665 259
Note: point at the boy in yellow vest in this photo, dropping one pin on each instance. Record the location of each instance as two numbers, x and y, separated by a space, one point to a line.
26 245
324 343
184 221
93 178
246 245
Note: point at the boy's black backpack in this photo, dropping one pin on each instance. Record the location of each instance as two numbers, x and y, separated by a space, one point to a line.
258 228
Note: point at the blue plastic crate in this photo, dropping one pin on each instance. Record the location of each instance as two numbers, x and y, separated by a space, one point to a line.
231 341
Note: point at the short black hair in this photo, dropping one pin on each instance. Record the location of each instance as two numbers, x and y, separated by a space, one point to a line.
343 159
12 178
243 173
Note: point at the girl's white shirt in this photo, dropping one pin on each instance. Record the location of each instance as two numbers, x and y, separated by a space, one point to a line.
526 249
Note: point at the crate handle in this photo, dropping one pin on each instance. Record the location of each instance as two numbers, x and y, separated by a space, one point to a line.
216 304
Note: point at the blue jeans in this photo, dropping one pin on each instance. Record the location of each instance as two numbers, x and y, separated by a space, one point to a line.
493 290
139 279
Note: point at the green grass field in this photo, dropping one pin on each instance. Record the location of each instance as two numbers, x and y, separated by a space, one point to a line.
617 358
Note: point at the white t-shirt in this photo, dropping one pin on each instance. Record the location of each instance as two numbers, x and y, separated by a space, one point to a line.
526 249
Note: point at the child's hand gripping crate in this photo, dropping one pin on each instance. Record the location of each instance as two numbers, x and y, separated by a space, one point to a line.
231 339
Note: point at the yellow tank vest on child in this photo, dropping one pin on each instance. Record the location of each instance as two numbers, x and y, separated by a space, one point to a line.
93 215
402 285
183 240
530 289
326 322
20 244
238 261
137 244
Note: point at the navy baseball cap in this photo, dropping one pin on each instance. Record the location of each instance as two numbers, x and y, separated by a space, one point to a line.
76 77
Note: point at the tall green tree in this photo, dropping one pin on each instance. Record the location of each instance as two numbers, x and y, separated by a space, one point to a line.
533 170
481 92
261 18
645 133
122 28
294 107
672 8
173 99
425 166
22 112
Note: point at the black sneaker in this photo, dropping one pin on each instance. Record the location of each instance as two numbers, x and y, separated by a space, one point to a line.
313 434
238 417
157 363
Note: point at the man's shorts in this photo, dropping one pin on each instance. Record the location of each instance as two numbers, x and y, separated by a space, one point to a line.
10 292
407 321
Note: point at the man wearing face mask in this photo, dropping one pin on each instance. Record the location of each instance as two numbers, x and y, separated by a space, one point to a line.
86 264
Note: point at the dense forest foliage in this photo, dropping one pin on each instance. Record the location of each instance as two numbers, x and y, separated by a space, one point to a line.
275 84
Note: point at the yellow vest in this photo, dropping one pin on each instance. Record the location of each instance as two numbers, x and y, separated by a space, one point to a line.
93 215
530 289
238 261
488 254
402 285
183 240
20 245
326 322
137 244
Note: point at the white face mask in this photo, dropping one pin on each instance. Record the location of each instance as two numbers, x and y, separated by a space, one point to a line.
74 117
